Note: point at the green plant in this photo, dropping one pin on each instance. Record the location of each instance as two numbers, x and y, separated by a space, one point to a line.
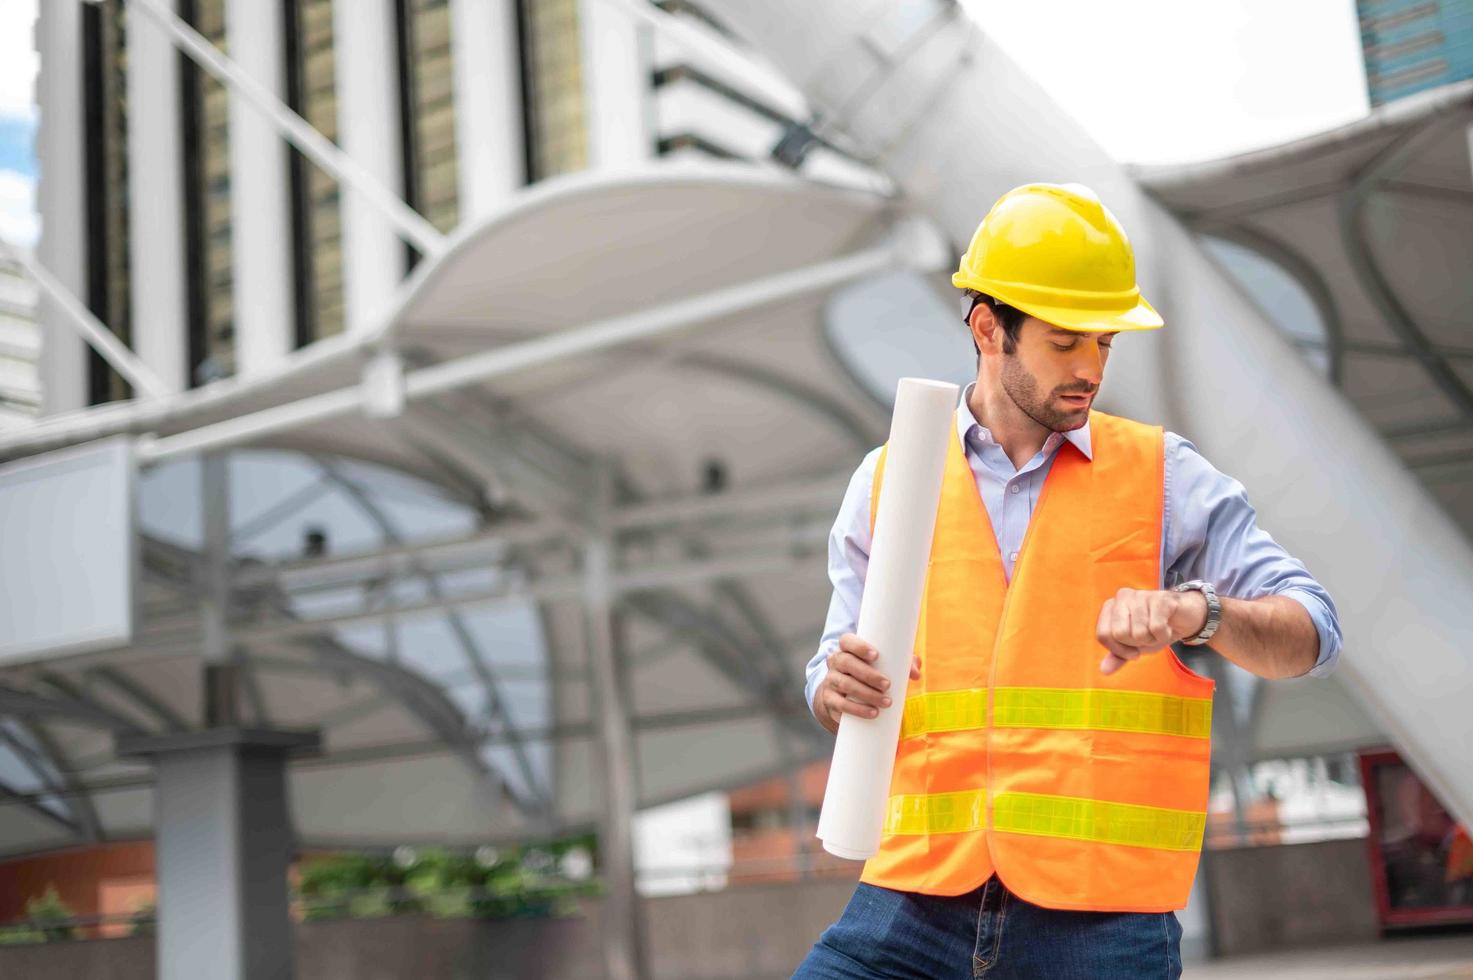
489 883
51 915
144 920
48 919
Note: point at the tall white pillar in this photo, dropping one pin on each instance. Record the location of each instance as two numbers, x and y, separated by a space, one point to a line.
156 244
61 149
260 198
364 34
485 55
616 86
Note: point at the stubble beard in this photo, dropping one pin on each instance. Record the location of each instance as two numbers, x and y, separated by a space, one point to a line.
1022 388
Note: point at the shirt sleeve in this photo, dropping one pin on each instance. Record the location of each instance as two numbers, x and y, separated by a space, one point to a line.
1210 532
849 544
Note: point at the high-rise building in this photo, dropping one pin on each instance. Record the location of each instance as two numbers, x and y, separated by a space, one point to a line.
1411 45
248 250
20 392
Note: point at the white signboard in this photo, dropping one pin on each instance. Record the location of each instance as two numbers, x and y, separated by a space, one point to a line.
68 551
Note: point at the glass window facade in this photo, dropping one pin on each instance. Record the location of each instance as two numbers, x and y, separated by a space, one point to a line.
207 205
552 88
429 111
1411 45
105 75
20 343
317 215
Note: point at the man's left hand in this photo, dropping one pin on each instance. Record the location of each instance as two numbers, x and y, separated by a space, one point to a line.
1138 621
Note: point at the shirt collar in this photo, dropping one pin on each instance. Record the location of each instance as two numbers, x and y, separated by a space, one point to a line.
965 421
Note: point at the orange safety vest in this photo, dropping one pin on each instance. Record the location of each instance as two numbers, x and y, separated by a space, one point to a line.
1081 790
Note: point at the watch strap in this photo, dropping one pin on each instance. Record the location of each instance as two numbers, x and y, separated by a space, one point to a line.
1214 610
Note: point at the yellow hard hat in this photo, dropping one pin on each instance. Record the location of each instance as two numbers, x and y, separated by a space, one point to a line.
1055 252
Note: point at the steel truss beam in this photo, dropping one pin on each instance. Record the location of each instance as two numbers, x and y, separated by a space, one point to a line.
1352 233
419 697
495 699
44 758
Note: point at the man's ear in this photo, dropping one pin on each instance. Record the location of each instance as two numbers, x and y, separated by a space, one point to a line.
986 331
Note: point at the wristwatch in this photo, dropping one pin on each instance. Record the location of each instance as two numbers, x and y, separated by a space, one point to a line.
1214 610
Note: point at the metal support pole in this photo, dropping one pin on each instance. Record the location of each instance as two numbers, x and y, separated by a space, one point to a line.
623 940
220 701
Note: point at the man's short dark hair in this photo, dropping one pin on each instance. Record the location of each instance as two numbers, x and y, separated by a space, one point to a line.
1010 317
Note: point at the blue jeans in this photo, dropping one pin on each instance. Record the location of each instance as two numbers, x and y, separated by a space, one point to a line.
993 934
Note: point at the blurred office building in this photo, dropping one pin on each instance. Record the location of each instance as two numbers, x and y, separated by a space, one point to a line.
20 345
1413 45
454 105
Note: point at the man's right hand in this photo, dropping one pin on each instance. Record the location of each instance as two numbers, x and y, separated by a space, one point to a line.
853 685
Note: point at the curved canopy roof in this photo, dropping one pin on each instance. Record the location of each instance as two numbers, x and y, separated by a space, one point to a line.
413 584
1372 219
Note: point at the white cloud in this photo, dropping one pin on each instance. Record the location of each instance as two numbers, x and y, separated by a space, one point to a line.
18 58
19 223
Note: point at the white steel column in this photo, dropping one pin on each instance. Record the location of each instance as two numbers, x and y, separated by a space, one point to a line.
369 132
488 105
260 202
61 149
623 934
616 85
156 247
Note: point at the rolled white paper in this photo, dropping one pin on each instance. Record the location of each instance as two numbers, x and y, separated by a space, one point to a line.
854 802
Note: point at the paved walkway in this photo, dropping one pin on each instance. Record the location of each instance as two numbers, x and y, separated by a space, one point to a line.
1423 958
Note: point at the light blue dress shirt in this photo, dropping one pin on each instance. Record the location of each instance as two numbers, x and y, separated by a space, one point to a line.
1209 531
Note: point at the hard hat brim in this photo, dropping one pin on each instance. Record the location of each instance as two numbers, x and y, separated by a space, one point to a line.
1142 316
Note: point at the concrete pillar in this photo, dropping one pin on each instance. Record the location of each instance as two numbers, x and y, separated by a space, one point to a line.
260 188
156 243
616 86
369 131
222 843
61 149
488 106
623 932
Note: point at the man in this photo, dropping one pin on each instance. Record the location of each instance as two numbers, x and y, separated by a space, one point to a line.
1050 785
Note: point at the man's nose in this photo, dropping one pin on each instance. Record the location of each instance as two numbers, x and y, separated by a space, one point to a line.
1091 364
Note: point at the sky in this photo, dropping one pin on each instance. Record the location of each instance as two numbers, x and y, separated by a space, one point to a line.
1155 81
18 222
1176 81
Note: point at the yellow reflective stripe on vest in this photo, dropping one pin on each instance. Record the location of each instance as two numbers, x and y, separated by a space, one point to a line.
1099 821
944 711
937 813
1115 711
1051 707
